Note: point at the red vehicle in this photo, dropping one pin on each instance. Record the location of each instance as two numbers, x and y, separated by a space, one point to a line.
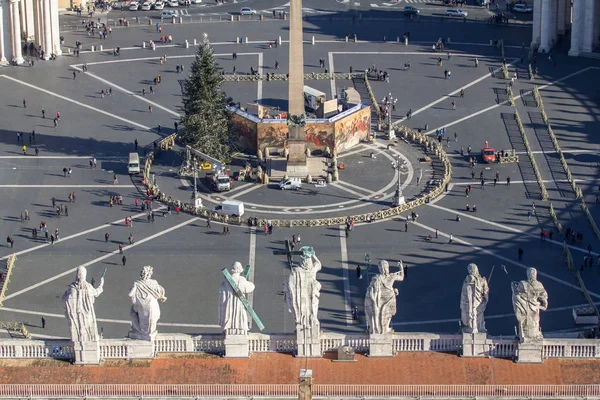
488 154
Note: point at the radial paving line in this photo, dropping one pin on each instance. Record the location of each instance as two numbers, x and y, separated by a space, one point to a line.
368 191
104 257
76 235
78 103
245 191
345 276
114 321
124 60
494 106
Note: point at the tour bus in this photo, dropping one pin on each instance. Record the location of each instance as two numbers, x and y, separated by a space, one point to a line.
134 163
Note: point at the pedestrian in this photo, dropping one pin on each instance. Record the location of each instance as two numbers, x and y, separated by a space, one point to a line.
106 236
124 259
130 237
43 113
27 215
149 107
43 323
208 218
436 233
66 211
462 93
520 254
24 103
495 181
10 241
51 239
508 180
355 309
456 137
135 143
65 172
406 226
120 248
451 238
453 105
358 272
528 215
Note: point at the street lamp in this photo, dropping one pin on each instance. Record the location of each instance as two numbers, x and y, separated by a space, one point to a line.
400 166
389 104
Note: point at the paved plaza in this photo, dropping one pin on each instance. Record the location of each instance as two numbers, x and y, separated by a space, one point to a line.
188 256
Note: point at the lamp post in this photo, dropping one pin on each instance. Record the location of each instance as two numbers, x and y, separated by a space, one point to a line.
400 166
389 104
196 201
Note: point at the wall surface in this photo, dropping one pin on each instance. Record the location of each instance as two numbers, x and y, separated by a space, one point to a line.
245 132
351 130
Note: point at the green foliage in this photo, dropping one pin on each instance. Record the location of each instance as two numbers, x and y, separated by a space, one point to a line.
206 119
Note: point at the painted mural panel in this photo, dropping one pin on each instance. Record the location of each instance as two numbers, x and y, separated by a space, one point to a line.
319 135
352 129
245 132
272 134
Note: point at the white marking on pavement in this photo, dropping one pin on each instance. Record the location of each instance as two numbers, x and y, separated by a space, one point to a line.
77 102
259 84
345 276
65 186
332 70
76 235
155 58
243 192
368 191
506 259
573 151
360 149
252 263
104 257
337 185
494 106
115 321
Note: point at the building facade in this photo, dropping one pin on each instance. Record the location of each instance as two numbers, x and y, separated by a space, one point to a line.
552 18
26 22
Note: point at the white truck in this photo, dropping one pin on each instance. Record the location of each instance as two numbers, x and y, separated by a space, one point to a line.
219 182
133 167
233 208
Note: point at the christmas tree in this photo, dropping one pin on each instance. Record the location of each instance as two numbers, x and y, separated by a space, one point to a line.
205 123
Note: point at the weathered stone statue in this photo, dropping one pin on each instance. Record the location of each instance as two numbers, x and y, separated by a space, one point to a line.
78 301
380 300
233 317
304 290
529 297
145 311
473 301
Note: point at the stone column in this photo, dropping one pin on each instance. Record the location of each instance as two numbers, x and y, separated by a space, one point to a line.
588 26
596 35
3 60
17 56
553 20
29 19
577 28
47 28
305 385
55 27
38 22
537 23
296 163
546 27
561 22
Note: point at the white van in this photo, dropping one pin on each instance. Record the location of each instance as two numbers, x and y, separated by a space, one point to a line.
290 183
134 163
230 207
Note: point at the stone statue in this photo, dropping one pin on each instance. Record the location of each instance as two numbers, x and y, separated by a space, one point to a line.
303 289
233 317
380 300
529 297
78 301
145 311
473 301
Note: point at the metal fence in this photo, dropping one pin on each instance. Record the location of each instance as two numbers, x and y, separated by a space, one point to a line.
291 390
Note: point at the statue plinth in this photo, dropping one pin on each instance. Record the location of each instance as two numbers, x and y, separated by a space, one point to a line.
296 144
141 348
236 346
86 353
474 345
380 345
308 339
530 351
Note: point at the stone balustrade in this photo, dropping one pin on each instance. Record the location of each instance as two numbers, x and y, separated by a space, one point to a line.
127 349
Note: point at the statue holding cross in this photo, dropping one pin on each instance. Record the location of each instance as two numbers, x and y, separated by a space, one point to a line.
233 306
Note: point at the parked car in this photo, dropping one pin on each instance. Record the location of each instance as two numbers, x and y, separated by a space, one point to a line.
196 1
455 12
134 6
522 8
410 10
184 2
167 14
146 6
247 11
172 3
159 5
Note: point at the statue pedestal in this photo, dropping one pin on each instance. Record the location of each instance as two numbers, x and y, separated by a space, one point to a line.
530 352
309 341
86 353
380 345
236 346
140 348
474 345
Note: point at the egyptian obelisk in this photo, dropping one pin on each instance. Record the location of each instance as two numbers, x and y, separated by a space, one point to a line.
296 163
